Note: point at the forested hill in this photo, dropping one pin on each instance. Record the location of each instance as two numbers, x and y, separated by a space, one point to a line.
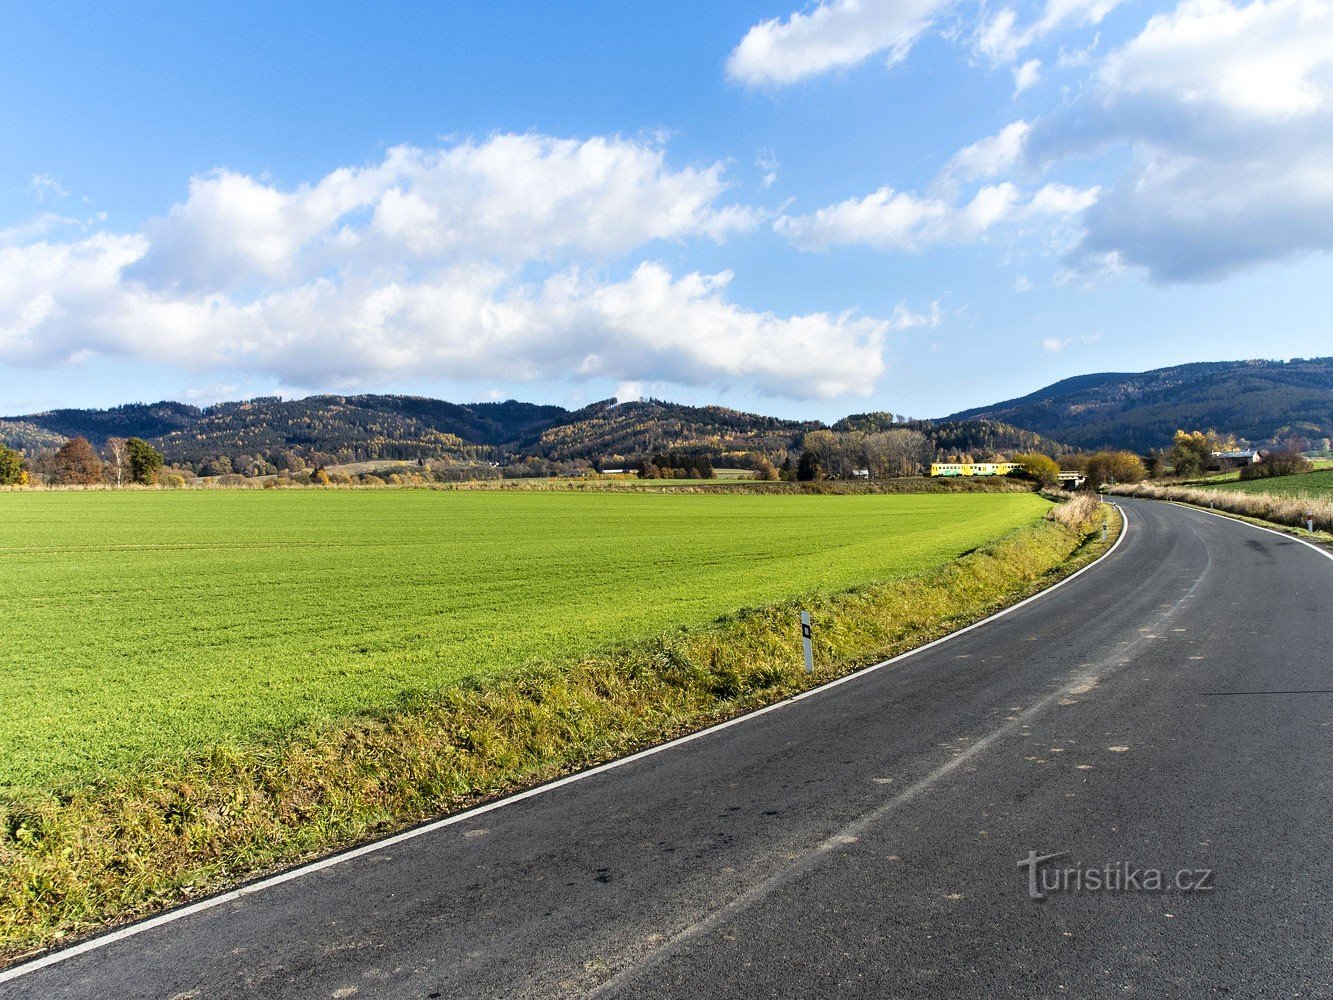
333 429
406 428
980 436
1259 401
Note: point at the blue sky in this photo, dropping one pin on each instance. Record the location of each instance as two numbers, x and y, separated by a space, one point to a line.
917 206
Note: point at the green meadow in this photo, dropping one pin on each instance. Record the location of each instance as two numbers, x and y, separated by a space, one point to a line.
139 626
1316 485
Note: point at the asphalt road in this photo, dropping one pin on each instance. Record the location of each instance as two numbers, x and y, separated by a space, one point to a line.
1170 709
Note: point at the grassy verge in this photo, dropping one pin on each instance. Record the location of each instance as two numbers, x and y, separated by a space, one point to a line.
1274 509
138 843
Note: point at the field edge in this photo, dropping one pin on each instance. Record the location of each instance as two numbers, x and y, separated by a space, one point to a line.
141 844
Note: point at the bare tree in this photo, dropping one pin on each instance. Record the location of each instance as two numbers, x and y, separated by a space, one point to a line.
896 452
116 448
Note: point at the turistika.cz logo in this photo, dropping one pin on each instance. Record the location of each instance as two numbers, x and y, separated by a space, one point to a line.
1113 877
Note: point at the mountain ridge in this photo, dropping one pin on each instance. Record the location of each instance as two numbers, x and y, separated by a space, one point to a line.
1261 401
329 429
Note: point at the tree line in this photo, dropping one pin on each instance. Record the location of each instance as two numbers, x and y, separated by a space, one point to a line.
78 463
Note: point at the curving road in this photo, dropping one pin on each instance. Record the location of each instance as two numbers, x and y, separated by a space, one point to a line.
1171 708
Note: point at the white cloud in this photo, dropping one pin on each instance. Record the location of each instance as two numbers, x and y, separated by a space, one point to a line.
1026 76
36 228
59 303
1265 60
629 392
1058 344
512 197
990 156
768 164
481 262
831 35
1001 40
897 220
1227 110
44 187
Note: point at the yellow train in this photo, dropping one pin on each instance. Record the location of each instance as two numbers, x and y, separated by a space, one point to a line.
972 468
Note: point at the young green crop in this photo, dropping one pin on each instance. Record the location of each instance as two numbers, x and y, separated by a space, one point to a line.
1312 485
140 625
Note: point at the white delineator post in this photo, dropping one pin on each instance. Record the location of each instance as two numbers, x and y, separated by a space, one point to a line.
806 643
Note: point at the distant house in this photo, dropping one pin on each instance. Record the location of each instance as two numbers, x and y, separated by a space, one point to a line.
1234 459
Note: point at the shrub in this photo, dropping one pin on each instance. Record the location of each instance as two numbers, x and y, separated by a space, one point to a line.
1113 466
1039 467
1286 462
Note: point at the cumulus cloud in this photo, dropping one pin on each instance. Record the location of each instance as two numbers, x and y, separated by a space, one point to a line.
888 219
512 197
898 220
989 157
1027 76
1268 60
1228 112
60 303
831 35
481 261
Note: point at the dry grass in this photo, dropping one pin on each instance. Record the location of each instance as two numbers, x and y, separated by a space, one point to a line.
1262 506
1077 510
74 861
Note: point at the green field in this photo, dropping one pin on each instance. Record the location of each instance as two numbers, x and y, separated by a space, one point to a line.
1306 486
142 625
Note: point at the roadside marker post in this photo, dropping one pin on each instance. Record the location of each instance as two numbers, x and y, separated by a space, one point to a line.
1309 520
806 637
1105 525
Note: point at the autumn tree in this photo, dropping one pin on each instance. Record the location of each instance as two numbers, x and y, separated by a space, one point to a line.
1113 466
144 460
1039 467
77 464
1192 452
12 472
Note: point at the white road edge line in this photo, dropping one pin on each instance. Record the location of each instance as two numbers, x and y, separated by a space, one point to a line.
1257 527
132 930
